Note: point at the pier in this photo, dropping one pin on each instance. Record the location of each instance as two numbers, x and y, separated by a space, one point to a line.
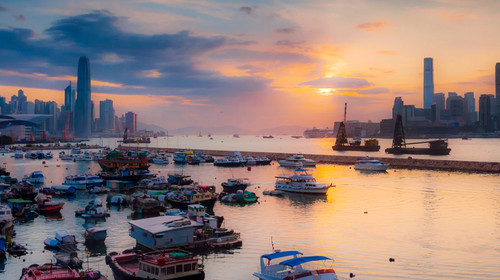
404 162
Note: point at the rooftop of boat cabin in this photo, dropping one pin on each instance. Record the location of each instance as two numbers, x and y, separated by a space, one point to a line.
163 223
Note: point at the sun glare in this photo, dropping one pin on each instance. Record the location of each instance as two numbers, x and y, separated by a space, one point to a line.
326 91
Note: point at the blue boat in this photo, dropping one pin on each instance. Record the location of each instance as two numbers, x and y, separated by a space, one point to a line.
3 249
95 234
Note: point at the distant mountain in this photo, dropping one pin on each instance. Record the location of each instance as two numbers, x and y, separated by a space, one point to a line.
148 126
282 130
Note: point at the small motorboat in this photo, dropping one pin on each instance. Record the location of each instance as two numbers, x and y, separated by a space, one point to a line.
95 234
300 182
233 185
17 250
370 164
61 238
36 177
240 197
69 259
295 266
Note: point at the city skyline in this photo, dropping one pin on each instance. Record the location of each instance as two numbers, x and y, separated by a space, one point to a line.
202 70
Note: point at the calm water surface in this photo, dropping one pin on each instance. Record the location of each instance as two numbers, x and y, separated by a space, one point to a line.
477 149
437 225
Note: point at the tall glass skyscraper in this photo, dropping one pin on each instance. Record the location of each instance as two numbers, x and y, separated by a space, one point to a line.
83 114
428 82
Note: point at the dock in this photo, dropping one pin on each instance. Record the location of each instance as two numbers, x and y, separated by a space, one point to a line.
399 163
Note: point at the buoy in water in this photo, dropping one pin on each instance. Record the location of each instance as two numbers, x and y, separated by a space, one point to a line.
43 162
391 259
351 275
249 168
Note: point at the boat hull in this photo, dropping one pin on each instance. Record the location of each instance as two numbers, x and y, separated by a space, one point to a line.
366 167
418 151
322 191
362 148
209 203
120 274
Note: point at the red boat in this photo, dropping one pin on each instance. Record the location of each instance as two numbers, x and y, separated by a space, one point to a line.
170 264
117 160
50 271
45 205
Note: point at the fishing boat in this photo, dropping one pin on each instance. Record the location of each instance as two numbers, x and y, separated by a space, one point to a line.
45 205
203 195
399 145
233 185
341 143
117 160
61 237
95 234
69 259
300 182
36 177
370 164
240 197
179 179
22 190
180 157
63 190
50 271
169 264
295 266
296 160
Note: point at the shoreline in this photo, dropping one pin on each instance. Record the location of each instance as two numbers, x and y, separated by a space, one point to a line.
397 163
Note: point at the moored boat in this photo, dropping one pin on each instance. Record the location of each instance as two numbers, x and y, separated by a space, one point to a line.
300 182
294 267
296 160
370 164
233 185
36 177
95 234
170 264
117 160
50 271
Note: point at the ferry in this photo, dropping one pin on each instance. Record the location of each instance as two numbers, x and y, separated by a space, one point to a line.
168 264
370 164
300 182
296 267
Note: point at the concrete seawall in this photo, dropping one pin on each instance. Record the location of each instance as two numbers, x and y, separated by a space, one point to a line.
406 163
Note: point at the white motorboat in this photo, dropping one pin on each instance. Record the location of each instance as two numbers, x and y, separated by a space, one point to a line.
36 177
300 182
81 182
295 266
18 154
370 164
296 160
160 160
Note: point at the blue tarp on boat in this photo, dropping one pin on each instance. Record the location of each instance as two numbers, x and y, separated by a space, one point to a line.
281 254
296 261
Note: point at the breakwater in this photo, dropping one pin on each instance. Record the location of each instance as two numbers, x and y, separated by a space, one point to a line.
402 162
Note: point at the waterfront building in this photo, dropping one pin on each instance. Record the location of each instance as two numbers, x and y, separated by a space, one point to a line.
83 110
398 107
131 122
106 115
428 82
486 114
470 108
497 91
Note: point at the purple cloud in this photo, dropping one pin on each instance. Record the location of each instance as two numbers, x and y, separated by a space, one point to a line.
247 10
287 30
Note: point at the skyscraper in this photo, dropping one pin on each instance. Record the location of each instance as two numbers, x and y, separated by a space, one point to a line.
428 82
497 91
83 118
398 107
439 100
470 105
69 98
106 115
485 111
131 122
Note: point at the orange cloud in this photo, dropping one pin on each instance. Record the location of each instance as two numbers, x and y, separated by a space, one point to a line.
455 16
153 73
377 26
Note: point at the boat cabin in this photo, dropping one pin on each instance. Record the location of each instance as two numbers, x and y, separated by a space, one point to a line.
180 265
163 232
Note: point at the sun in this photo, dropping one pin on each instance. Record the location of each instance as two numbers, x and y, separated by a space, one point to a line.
326 91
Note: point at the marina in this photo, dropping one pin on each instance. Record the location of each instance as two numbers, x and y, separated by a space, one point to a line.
348 203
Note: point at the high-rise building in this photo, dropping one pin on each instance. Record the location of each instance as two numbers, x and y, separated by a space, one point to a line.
456 109
497 91
106 115
69 98
486 117
21 99
398 107
470 108
51 109
39 107
439 100
131 122
28 107
428 82
83 110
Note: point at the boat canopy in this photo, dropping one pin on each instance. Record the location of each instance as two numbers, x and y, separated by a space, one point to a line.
297 261
281 254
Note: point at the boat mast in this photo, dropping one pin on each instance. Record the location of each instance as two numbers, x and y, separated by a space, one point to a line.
341 134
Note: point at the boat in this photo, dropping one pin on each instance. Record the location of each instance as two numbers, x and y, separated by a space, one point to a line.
36 177
296 160
295 266
399 145
64 156
232 160
262 161
267 136
22 190
169 264
69 259
117 160
138 140
317 133
179 179
50 271
300 182
17 249
240 197
233 185
21 208
63 189
45 205
370 164
180 157
129 175
18 154
3 249
341 143
62 237
76 151
203 195
274 193
95 234
83 181
5 214
236 136
160 160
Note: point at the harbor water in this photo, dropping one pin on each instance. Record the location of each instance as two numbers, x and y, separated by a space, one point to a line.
473 149
436 225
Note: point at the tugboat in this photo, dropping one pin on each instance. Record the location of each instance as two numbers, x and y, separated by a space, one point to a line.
341 143
170 264
399 145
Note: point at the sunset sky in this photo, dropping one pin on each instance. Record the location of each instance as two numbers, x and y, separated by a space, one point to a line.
251 64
